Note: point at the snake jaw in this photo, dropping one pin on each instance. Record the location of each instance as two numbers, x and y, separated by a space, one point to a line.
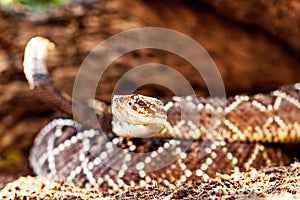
137 115
35 52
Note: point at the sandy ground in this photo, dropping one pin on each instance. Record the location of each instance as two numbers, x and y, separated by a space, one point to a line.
268 183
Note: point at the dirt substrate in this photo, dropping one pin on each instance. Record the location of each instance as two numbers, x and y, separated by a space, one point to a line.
267 183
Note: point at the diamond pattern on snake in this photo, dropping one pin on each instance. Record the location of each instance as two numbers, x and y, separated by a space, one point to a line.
170 150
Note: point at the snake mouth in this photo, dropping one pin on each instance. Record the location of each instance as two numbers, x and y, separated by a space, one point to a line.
130 130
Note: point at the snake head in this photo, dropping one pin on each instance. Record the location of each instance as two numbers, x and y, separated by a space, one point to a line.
137 115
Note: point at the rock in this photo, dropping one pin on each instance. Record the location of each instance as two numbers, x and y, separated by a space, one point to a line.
277 18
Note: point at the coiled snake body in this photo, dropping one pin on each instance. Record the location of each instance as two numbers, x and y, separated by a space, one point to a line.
108 159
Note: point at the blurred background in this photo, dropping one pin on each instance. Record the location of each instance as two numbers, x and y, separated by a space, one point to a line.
255 45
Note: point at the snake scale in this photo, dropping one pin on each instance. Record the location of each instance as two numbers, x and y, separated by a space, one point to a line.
80 153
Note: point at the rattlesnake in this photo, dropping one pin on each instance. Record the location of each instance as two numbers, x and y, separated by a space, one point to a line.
108 159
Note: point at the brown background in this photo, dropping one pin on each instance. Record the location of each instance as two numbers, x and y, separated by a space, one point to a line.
255 45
